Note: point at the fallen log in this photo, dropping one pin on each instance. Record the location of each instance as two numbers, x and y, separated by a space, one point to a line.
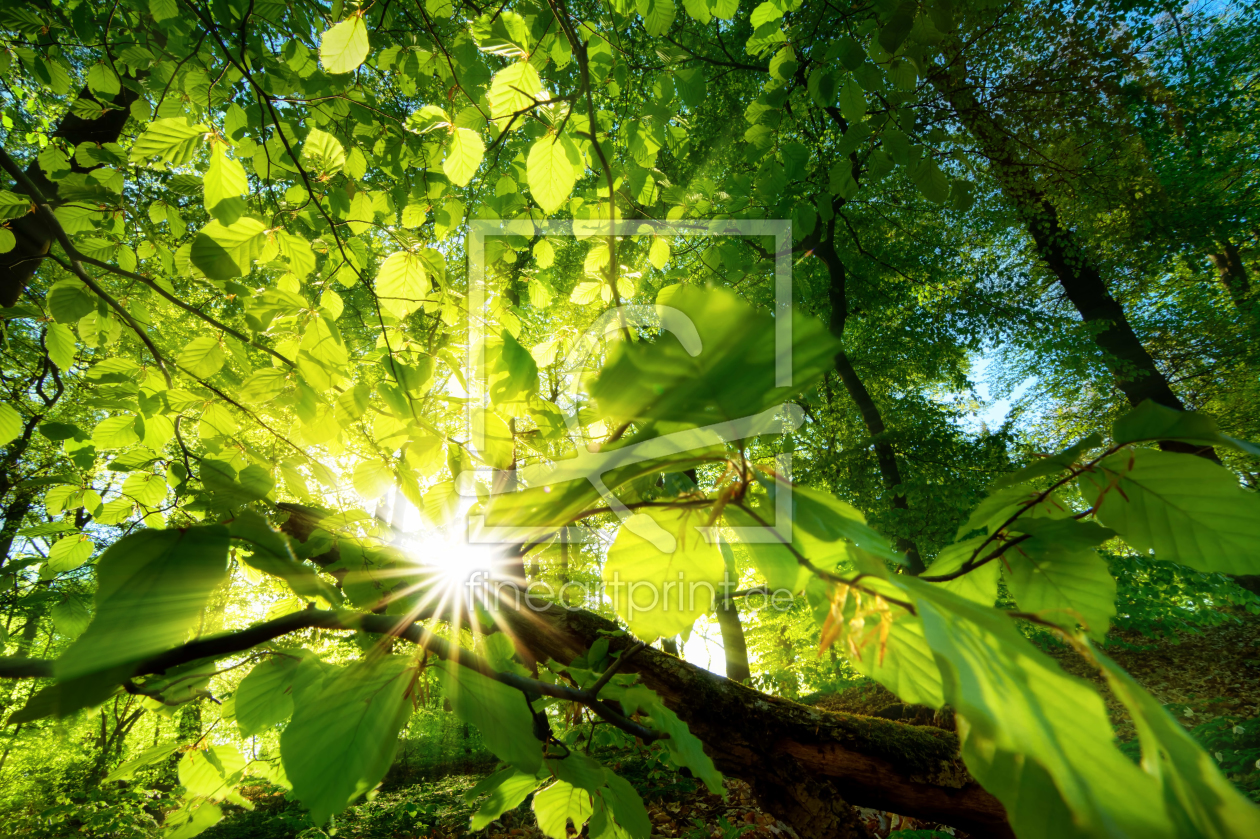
798 759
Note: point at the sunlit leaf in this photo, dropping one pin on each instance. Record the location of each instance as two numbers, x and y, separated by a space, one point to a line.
345 46
152 587
661 572
343 734
463 155
1184 508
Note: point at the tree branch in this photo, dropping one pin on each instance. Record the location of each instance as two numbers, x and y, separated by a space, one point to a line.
395 627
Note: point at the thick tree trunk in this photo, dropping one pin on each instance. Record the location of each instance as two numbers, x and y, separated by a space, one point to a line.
14 513
885 455
34 236
734 647
807 765
17 508
1135 372
1233 274
25 643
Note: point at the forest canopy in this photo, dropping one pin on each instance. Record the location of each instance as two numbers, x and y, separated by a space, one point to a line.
367 368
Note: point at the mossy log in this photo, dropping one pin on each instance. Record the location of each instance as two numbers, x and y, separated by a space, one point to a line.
805 764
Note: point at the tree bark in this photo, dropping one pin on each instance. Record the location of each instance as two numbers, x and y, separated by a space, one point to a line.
1135 372
1233 275
807 765
33 235
885 455
17 508
734 646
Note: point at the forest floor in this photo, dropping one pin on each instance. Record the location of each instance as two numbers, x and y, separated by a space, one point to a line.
1210 681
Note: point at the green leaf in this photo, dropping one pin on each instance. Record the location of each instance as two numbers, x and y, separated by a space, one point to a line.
931 181
658 15
14 205
163 9
463 155
263 385
499 712
558 804
372 479
61 345
401 283
298 251
1036 738
684 747
512 90
1059 576
661 572
507 788
115 432
149 757
576 768
11 424
226 251
767 12
102 80
732 373
830 518
70 300
980 585
323 152
192 819
1201 801
492 437
356 164
345 46
252 484
322 356
273 554
213 772
512 373
824 85
1184 508
1050 465
152 586
852 101
146 488
225 183
69 553
905 664
343 734
264 697
698 10
203 356
620 800
428 118
1151 421
898 27
691 85
217 421
783 65
173 139
778 565
552 169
